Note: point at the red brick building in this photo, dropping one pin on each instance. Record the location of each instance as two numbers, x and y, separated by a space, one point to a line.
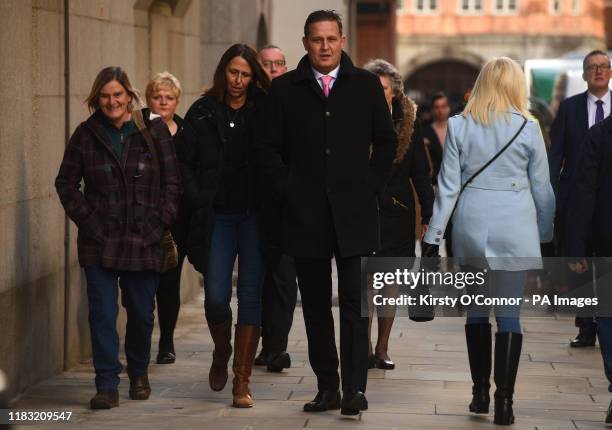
441 44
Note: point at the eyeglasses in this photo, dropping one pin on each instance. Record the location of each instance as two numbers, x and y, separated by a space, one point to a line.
277 63
597 67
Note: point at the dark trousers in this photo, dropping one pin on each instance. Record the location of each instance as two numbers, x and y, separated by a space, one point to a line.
584 283
586 323
278 304
168 304
138 299
603 268
315 283
604 334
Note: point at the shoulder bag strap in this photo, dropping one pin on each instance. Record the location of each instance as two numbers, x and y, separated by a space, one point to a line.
501 151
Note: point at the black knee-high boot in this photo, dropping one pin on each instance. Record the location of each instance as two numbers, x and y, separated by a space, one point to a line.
507 354
478 339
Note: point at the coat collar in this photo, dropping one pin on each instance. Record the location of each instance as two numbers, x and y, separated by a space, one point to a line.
210 104
145 115
398 110
304 69
95 123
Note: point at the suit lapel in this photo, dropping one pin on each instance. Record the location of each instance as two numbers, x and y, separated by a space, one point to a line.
317 88
583 111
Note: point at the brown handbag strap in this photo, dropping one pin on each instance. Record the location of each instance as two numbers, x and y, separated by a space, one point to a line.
140 124
146 133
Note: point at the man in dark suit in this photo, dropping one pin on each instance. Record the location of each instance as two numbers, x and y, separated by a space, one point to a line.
574 118
590 209
327 145
279 292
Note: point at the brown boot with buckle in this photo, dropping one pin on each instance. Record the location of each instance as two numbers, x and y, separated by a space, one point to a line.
222 336
245 347
105 399
139 387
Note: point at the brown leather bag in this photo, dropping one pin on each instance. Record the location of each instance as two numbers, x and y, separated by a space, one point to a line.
167 242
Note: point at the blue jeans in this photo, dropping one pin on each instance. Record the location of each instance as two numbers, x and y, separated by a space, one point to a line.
503 284
138 298
234 235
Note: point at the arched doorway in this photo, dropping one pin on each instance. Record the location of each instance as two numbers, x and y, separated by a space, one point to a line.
452 77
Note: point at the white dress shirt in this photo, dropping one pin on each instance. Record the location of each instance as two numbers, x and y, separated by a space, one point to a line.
333 74
592 107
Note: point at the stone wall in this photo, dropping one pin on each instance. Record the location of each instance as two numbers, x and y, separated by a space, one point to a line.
287 24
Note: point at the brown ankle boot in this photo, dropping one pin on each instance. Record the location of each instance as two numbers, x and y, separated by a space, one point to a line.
245 345
222 336
105 399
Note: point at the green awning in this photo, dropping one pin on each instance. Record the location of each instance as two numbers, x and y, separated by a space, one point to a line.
543 83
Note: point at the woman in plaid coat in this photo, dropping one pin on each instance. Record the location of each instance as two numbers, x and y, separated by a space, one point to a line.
130 197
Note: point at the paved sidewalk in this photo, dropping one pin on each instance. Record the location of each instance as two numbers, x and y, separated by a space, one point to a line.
558 387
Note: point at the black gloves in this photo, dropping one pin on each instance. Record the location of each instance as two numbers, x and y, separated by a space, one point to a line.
428 250
430 257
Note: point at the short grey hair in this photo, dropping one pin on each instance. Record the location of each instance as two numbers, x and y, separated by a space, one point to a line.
270 47
381 67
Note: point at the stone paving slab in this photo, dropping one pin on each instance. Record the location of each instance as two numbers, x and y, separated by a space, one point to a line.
557 388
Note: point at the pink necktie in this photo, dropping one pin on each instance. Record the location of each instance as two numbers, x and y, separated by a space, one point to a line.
326 80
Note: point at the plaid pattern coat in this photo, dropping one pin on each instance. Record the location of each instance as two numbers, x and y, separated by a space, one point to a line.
126 204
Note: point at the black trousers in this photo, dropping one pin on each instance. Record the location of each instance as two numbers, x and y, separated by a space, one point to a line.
168 304
583 282
315 283
279 296
576 280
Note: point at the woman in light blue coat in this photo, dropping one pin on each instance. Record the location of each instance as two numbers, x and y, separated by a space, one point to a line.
501 216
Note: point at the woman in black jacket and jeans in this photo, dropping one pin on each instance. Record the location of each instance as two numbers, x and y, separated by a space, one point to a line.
214 152
397 205
162 94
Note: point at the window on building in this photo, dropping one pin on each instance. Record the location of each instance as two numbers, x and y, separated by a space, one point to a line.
506 6
555 7
470 6
425 6
575 7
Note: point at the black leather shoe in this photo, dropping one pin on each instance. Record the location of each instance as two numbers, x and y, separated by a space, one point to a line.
609 414
262 359
583 340
381 363
353 402
278 362
139 387
105 399
166 357
324 401
371 362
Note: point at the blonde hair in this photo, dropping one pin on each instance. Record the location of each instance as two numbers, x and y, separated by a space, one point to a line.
163 80
499 87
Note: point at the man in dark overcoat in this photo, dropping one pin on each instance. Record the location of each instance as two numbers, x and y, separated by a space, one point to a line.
326 147
589 209
575 116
